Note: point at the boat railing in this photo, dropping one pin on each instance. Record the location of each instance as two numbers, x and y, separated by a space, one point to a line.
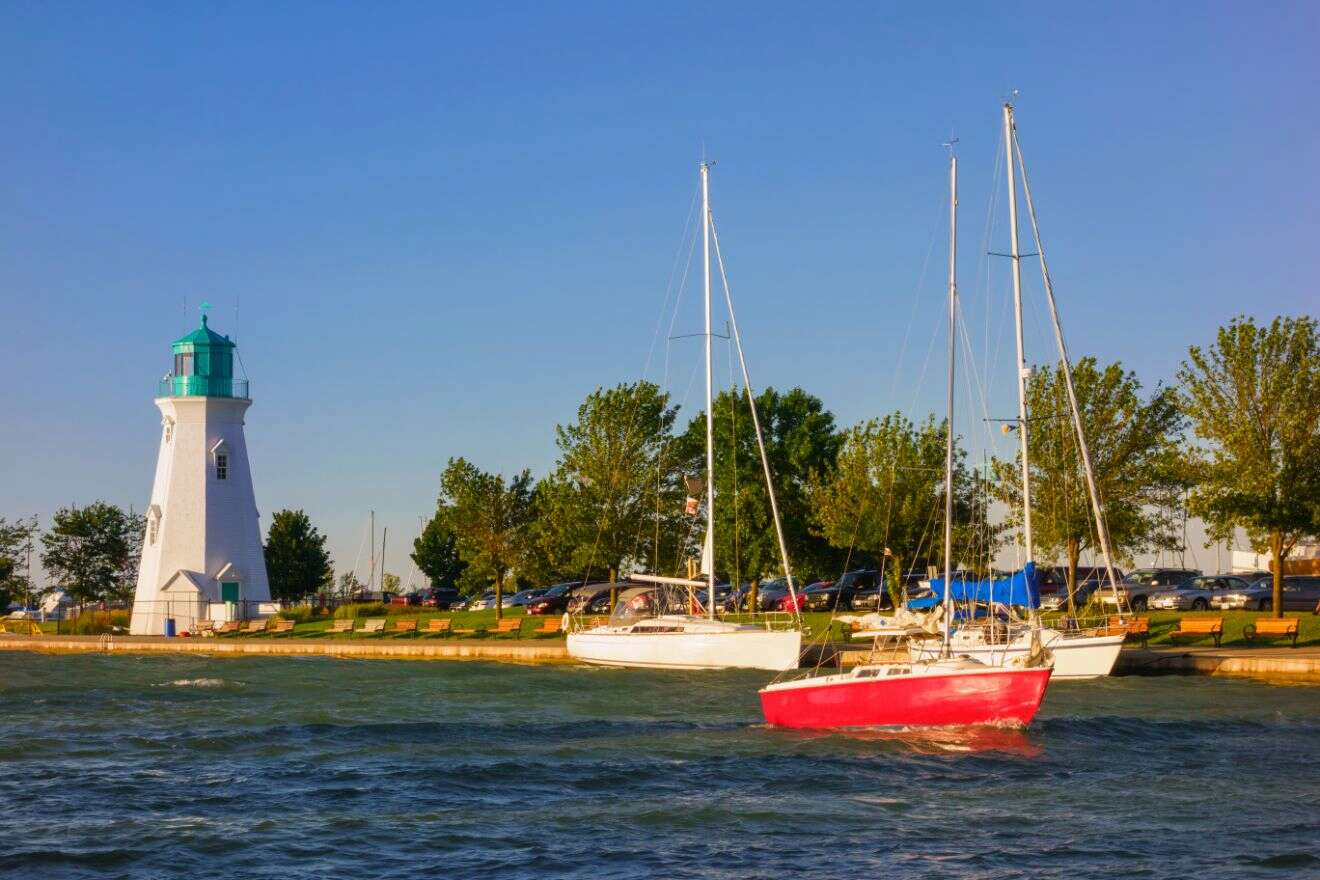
774 621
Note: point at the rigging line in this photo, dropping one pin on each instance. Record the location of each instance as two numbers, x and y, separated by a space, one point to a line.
670 289
756 424
733 466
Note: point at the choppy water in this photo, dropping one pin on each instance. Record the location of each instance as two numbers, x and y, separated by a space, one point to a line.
166 767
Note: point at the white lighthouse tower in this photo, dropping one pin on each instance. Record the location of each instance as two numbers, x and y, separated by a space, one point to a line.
202 557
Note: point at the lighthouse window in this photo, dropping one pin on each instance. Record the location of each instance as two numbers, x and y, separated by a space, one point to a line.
221 466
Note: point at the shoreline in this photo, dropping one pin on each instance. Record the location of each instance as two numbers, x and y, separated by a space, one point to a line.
1277 664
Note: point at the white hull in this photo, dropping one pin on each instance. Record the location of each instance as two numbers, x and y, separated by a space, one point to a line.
1075 657
687 646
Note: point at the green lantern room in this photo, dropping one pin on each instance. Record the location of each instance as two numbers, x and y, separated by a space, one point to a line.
203 367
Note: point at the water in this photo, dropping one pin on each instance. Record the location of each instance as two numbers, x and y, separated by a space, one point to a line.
190 767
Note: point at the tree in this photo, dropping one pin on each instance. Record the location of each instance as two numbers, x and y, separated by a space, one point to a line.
349 585
16 544
436 552
886 496
489 517
801 443
597 508
1253 399
389 583
1135 457
89 551
296 559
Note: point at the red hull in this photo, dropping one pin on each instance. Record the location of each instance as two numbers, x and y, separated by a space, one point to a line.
999 696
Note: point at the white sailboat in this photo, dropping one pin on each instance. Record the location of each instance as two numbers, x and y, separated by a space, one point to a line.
668 630
1082 652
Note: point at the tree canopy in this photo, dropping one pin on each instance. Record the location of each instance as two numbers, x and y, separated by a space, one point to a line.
297 563
16 540
93 551
1135 457
489 517
436 552
1253 398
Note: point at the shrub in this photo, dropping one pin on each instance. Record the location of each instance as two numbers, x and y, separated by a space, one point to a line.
360 609
95 623
299 613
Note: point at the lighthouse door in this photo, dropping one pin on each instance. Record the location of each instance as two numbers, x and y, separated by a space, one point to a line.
229 594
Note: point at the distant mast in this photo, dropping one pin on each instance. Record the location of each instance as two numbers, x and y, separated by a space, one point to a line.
1023 370
948 440
710 396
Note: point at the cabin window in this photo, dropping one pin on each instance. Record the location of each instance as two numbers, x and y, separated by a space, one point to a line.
221 466
183 364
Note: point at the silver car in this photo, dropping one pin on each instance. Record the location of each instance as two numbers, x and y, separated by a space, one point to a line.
1196 594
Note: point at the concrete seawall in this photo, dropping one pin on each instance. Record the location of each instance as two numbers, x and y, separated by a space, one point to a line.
1301 665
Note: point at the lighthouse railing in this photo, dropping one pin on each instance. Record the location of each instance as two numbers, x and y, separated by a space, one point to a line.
202 386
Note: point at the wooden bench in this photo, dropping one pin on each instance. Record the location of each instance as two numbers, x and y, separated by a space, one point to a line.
374 625
1133 627
229 627
1273 626
404 625
551 627
508 626
203 628
1199 627
282 626
256 626
438 625
341 626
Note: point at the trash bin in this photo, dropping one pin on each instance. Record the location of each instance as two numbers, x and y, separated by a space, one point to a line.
169 626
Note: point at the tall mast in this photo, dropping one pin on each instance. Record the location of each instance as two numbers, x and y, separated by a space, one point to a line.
710 394
1023 371
371 572
1101 527
948 440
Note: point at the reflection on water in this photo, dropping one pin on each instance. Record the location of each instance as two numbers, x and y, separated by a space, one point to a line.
183 767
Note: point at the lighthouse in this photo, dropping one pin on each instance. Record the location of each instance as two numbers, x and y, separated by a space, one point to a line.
202 557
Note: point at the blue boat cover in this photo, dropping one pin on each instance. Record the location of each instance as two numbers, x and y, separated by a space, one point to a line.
1020 588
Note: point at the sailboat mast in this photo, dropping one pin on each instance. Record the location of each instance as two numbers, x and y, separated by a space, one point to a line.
1101 527
948 440
1023 371
710 393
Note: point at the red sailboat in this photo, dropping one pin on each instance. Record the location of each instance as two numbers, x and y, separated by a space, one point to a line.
941 691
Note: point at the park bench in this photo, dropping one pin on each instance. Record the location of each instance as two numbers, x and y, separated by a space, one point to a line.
1199 627
437 625
282 626
1134 627
229 627
204 628
508 626
402 626
1273 626
256 626
341 626
374 625
552 626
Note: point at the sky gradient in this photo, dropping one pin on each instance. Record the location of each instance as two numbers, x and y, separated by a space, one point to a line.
434 228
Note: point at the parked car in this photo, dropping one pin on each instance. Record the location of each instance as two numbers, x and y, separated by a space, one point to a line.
581 598
522 597
442 598
484 602
405 598
552 602
770 595
840 593
1090 579
1300 593
1195 594
1135 589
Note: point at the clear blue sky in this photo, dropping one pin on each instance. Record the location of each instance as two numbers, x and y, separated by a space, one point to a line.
443 225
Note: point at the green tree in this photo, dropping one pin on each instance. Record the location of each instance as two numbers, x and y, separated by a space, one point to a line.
1135 457
296 559
599 506
89 551
436 552
801 443
1253 398
349 585
16 543
886 496
490 519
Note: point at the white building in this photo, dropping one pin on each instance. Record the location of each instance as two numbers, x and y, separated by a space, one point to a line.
202 557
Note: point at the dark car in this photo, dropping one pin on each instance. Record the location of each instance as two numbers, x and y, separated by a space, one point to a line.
1090 579
553 601
1135 589
826 596
1300 593
522 597
442 598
